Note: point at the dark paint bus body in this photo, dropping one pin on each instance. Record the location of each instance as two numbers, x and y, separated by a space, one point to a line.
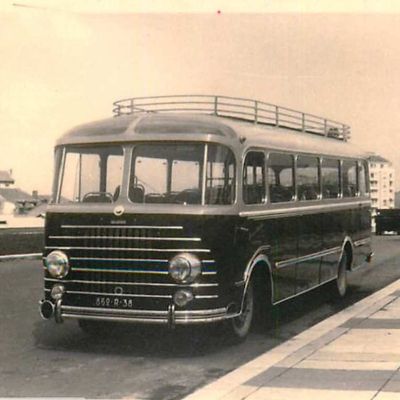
298 243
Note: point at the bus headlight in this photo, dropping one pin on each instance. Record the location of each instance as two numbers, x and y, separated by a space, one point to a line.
184 267
57 264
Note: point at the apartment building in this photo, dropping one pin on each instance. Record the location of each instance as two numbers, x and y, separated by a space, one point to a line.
381 173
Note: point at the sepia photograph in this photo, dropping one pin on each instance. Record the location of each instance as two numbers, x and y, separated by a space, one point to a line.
200 201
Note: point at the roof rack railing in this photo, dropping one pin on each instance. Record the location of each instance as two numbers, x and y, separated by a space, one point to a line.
257 112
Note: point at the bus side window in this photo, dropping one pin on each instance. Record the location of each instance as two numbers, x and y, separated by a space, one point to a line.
349 178
330 175
307 178
220 176
254 178
280 174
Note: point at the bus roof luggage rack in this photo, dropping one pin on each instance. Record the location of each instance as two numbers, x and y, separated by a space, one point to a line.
254 111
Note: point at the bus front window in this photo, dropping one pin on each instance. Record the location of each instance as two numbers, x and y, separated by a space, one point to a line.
91 174
174 173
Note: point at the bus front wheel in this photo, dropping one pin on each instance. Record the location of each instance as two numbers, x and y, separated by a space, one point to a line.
239 327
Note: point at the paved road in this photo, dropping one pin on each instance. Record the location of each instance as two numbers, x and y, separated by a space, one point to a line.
39 358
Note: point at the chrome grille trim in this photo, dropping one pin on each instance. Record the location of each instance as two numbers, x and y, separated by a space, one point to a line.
176 239
192 285
155 260
121 226
105 294
119 259
130 259
129 271
100 254
126 271
128 249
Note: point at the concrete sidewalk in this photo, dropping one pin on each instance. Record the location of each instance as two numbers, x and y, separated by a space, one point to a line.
354 354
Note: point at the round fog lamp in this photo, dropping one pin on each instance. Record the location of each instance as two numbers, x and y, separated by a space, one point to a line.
182 297
57 264
57 292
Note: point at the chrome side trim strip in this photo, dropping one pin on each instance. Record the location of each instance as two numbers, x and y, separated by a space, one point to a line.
127 249
361 242
211 296
300 210
158 296
297 260
122 226
192 285
176 239
304 291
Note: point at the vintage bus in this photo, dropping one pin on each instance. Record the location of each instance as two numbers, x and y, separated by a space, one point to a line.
201 209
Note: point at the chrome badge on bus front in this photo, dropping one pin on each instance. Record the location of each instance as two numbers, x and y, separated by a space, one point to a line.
119 210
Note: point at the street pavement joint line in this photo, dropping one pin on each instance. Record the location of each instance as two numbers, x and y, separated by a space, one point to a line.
385 383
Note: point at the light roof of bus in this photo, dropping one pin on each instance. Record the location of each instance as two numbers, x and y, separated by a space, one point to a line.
201 127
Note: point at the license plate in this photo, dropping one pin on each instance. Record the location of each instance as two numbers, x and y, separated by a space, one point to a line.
113 302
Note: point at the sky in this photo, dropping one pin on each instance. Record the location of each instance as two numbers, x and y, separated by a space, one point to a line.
61 67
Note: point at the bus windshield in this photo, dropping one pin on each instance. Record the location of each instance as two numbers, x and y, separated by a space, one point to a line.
174 173
179 173
91 174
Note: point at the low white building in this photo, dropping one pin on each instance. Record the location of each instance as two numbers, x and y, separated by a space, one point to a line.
6 179
6 207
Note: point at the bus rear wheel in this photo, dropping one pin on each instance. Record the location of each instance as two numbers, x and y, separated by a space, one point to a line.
340 288
240 326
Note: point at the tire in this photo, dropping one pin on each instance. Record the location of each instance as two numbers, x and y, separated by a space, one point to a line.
340 286
239 327
264 312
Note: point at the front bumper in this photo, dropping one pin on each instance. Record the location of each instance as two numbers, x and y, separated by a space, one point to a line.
170 317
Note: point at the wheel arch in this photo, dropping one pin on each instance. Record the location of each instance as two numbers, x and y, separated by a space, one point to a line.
259 263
